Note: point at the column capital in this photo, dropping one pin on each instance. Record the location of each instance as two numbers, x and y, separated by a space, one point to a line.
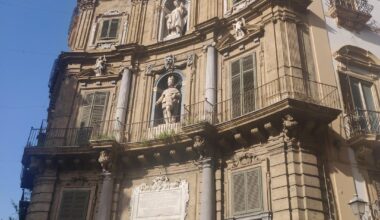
208 44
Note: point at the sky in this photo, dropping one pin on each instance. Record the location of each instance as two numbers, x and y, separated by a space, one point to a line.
32 34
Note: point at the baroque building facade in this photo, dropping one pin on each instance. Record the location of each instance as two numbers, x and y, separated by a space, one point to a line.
218 109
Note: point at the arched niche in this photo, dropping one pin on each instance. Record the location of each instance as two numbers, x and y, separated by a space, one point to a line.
167 7
160 86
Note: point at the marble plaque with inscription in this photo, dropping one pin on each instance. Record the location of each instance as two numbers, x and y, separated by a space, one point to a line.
163 200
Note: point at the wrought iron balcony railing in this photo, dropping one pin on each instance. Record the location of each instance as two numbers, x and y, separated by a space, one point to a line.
60 137
285 87
362 122
361 6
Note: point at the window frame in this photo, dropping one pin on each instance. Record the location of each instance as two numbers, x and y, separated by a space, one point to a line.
69 189
260 186
101 26
80 112
254 70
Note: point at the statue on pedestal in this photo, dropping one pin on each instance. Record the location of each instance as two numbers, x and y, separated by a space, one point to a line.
170 101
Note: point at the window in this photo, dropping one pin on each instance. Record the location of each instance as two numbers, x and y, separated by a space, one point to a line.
246 192
359 102
109 29
243 72
93 108
74 205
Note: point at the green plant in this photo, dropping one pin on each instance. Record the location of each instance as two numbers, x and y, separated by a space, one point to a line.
165 135
105 137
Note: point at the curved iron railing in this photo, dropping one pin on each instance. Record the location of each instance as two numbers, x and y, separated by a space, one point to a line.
285 87
361 122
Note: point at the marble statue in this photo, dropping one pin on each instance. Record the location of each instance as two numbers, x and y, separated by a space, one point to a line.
100 66
175 19
239 27
170 101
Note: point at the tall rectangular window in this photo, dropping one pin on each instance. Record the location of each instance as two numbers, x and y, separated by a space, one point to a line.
109 29
243 72
246 192
74 205
93 108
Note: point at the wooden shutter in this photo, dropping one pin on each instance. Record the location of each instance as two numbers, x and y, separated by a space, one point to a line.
235 87
99 107
246 192
254 197
86 110
105 27
113 28
248 65
238 186
74 205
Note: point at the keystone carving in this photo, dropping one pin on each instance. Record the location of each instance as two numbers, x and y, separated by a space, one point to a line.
105 160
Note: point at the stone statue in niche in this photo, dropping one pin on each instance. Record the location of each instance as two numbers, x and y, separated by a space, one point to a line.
175 19
100 66
170 101
239 27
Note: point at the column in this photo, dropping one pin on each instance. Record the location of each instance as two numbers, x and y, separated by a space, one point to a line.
210 90
207 211
207 190
105 200
122 103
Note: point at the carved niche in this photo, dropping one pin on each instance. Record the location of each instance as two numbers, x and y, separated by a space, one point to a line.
162 200
174 19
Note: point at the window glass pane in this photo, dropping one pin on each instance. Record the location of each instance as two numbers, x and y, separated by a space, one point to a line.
105 27
247 63
370 104
356 95
235 68
113 28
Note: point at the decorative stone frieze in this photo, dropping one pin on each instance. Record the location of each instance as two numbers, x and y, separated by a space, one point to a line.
242 159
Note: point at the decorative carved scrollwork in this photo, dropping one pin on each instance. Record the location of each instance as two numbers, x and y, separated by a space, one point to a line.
200 146
244 159
86 4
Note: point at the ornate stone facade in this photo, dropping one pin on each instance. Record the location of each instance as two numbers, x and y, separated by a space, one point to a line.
209 110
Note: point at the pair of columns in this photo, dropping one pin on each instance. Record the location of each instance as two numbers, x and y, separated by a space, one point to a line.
207 211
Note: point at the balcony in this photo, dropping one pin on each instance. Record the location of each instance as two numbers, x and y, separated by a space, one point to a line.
269 97
351 14
363 127
76 137
24 204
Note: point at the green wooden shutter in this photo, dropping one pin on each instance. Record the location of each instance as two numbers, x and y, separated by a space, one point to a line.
105 27
86 110
74 205
238 198
113 28
248 66
98 108
254 197
235 87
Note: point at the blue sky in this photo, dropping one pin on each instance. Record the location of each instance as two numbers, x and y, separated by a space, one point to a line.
32 34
